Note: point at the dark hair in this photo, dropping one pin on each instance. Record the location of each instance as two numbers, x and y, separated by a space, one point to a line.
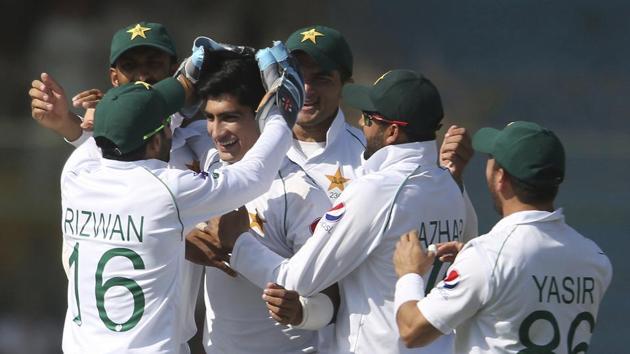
110 150
415 136
239 77
529 194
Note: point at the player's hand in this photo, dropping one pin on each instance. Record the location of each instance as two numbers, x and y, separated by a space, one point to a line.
88 120
283 81
49 107
202 249
284 305
456 151
447 251
409 256
87 99
227 228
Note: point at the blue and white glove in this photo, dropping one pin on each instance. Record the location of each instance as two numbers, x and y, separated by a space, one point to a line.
283 81
205 53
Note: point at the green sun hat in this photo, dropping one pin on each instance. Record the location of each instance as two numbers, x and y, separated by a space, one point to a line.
141 34
130 114
325 45
532 154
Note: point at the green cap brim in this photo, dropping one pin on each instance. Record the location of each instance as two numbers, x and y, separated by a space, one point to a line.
173 94
165 49
358 96
320 58
485 140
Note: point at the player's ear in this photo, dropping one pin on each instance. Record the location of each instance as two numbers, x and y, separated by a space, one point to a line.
152 148
174 67
393 135
113 77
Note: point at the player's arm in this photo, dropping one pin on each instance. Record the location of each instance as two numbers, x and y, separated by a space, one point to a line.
410 261
343 239
422 319
287 307
49 108
456 151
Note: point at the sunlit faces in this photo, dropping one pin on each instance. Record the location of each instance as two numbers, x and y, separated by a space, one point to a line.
323 92
231 126
491 177
142 63
374 136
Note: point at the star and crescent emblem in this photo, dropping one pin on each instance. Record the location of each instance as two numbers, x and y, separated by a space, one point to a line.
311 35
138 31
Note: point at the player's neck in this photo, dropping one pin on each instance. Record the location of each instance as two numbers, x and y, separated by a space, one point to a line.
315 133
513 205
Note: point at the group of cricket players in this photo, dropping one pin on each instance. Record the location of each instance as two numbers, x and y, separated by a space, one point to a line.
235 169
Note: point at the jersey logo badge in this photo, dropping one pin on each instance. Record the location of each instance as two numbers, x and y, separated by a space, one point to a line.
451 280
336 213
337 180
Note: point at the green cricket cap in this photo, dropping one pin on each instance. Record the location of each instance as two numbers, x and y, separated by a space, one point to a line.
141 34
532 154
401 95
130 114
325 45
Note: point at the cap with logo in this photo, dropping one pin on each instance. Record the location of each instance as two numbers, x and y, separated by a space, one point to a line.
325 45
141 34
130 114
401 95
532 154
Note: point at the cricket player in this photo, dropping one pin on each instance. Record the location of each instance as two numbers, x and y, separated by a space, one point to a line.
325 145
124 216
143 51
237 320
354 241
532 284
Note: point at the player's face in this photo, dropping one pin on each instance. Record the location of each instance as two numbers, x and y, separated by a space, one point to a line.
142 63
165 147
231 126
374 136
491 171
323 94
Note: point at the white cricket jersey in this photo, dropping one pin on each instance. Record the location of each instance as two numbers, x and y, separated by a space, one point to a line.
123 226
190 146
531 283
237 320
334 166
354 242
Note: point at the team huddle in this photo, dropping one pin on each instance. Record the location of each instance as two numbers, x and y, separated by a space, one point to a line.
237 169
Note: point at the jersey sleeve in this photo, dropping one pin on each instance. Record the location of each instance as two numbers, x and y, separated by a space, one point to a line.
471 228
85 136
461 294
341 242
204 195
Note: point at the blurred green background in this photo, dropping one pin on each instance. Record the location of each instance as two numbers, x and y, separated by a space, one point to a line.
563 64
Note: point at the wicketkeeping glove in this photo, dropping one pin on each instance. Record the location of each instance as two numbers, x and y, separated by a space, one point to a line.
284 84
203 62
